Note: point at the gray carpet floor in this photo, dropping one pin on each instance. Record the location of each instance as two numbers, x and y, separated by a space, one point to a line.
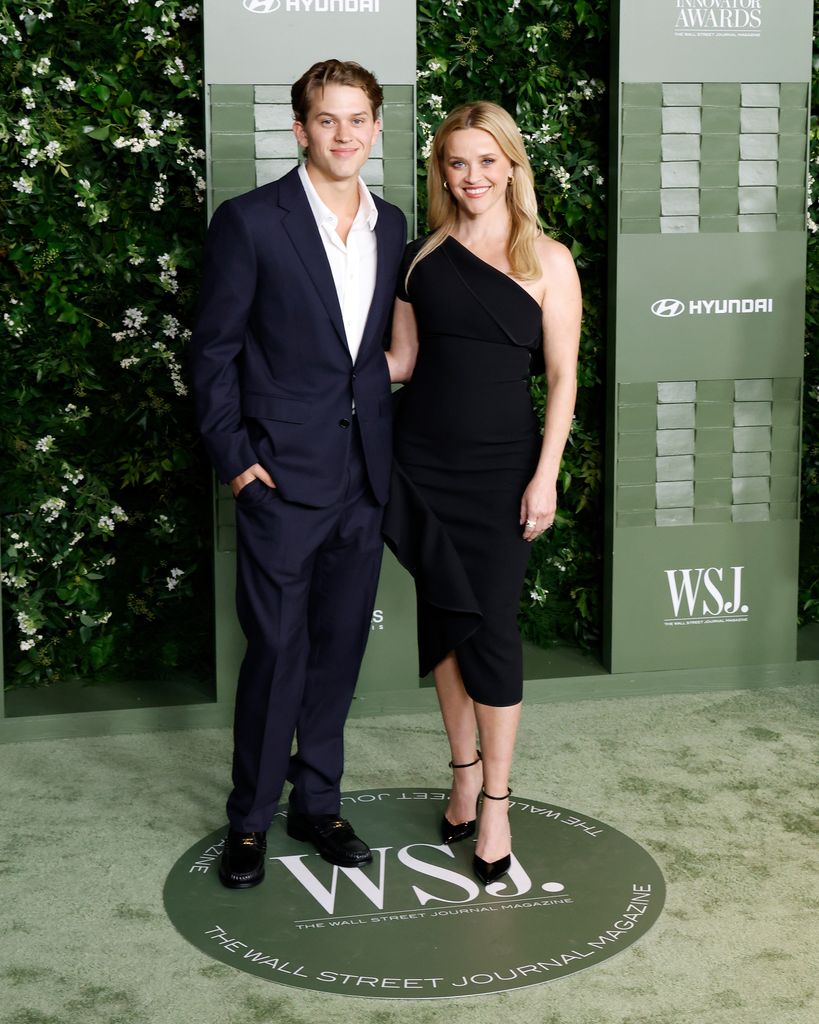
720 788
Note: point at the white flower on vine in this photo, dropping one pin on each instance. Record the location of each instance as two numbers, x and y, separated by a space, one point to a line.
119 514
41 67
562 176
172 581
134 319
14 325
51 508
149 32
66 84
158 197
23 135
165 524
172 122
106 523
45 444
15 582
170 326
23 184
26 624
176 67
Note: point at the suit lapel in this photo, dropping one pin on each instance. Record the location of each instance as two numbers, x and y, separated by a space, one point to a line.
301 227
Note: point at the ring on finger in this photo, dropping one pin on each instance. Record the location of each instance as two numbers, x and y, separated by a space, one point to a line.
530 524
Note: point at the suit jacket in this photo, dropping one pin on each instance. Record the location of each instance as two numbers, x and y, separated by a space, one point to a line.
272 375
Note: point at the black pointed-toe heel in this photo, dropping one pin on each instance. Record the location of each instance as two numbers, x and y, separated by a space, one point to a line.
491 871
455 833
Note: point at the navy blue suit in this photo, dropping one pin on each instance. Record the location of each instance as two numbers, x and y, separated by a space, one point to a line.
274 384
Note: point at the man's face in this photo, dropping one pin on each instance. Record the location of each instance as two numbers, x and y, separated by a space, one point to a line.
340 132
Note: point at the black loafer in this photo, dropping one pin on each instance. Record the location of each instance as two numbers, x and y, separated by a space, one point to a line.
242 864
332 837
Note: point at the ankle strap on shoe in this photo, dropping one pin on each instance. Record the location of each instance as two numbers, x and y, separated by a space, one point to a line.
490 797
468 763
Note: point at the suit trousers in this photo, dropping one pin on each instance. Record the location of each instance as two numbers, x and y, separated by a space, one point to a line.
306 586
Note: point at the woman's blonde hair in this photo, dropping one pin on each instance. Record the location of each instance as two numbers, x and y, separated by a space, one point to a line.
442 213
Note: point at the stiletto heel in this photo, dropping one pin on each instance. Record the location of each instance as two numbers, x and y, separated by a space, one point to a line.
491 871
455 833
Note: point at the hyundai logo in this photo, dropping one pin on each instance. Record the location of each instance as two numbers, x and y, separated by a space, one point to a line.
667 307
261 6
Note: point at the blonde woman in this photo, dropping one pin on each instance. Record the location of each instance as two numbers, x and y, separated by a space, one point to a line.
482 300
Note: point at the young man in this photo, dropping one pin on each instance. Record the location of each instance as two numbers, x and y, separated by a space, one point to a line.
293 401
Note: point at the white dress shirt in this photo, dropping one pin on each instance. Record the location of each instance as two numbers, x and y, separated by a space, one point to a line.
353 264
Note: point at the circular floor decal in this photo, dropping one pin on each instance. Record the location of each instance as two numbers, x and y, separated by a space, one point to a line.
416 923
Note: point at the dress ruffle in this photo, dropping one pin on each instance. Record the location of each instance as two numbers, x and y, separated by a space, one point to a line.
419 541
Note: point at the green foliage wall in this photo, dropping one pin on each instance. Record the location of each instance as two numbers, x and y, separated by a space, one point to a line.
104 494
809 555
105 501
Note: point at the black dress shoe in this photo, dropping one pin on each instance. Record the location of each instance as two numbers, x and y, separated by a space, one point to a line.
242 864
489 871
332 837
463 830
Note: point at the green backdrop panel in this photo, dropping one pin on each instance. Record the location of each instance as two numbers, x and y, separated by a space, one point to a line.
727 305
721 40
696 597
705 373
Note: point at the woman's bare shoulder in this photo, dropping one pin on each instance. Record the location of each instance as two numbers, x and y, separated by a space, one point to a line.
553 255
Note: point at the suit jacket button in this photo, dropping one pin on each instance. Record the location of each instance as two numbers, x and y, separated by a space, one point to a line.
344 423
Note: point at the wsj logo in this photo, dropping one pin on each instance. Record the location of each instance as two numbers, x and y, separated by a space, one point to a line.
457 887
718 16
706 595
706 307
313 6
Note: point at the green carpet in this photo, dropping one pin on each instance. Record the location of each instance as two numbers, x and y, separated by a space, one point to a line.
719 788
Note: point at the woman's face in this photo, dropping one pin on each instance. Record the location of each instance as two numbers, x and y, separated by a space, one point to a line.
476 170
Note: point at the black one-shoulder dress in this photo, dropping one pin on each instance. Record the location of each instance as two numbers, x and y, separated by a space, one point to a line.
466 445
